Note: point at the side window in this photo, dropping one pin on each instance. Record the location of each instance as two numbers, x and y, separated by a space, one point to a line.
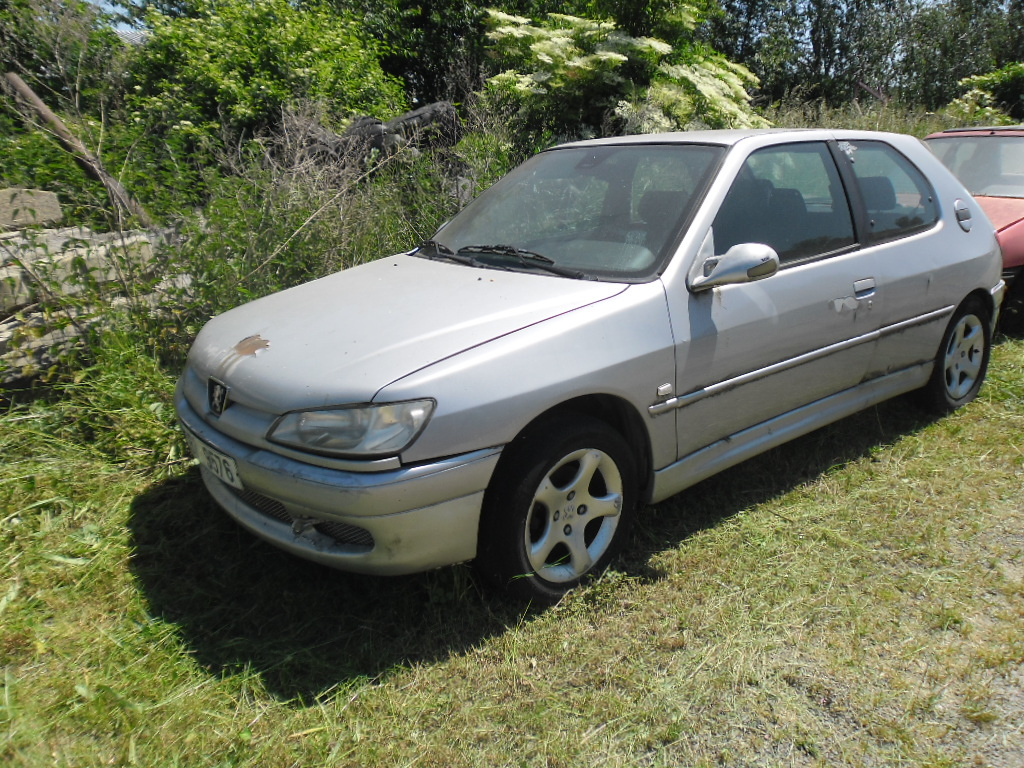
789 197
898 198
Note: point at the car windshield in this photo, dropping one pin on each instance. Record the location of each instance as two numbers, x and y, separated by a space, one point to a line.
990 166
604 212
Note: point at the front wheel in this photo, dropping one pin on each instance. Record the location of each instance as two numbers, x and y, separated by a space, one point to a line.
558 509
962 359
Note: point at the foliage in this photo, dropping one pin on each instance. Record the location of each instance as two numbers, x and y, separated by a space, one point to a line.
69 54
949 41
33 160
286 215
867 116
66 49
669 20
915 51
435 48
572 75
164 172
996 97
229 70
121 405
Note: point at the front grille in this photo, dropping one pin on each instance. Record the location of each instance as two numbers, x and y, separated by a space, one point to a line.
264 505
349 535
346 534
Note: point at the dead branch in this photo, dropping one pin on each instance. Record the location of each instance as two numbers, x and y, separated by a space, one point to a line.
89 163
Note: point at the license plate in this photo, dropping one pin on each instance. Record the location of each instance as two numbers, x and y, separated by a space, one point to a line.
219 463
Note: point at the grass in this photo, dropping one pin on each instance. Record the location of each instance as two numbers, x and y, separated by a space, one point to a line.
853 598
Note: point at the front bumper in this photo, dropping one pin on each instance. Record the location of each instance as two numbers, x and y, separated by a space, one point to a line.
399 521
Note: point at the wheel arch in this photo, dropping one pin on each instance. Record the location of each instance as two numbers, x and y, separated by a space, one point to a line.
506 527
988 302
986 299
618 414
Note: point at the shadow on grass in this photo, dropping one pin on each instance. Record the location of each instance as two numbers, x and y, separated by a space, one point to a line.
244 606
1011 321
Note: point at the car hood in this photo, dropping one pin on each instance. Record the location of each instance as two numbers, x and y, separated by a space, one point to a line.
1007 216
342 338
1002 211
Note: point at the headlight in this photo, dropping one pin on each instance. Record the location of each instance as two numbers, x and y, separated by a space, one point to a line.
362 431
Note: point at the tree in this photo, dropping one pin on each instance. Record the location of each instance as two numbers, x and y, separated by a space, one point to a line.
838 50
438 48
948 41
434 48
65 49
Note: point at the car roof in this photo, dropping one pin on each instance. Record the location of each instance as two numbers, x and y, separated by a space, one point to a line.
991 130
723 137
729 137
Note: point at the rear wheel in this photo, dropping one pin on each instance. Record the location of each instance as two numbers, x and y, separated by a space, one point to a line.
962 359
558 508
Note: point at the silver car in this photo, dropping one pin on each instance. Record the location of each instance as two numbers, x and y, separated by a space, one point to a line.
612 322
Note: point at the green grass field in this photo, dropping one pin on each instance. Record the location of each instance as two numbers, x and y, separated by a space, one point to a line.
851 599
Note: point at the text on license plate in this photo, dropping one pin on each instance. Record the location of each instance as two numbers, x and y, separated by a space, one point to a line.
220 464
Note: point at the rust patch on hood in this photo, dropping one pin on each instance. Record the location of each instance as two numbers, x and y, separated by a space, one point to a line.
251 345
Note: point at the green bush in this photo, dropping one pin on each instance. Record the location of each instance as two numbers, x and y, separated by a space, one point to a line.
68 52
232 68
168 173
996 97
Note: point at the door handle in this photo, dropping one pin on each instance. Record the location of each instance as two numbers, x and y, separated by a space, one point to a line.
865 288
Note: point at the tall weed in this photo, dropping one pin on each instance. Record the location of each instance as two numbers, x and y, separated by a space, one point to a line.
870 116
296 208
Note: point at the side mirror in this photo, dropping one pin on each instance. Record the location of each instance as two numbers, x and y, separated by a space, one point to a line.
743 263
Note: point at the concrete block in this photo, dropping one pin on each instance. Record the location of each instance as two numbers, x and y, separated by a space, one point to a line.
28 208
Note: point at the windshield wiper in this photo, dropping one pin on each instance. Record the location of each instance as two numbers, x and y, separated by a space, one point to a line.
441 252
528 259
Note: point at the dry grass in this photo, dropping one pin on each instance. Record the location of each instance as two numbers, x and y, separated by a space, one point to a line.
868 116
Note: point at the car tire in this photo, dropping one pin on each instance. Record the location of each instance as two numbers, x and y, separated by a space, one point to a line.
962 359
559 507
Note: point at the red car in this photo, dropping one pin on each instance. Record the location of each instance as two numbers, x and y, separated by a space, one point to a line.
990 163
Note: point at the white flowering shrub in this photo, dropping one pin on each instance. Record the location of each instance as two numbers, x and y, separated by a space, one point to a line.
576 75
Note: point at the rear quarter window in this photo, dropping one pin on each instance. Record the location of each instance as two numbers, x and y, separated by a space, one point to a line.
897 197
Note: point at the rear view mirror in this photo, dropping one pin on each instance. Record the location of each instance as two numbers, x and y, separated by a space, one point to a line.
743 263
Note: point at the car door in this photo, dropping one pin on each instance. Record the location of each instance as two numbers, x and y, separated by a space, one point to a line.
747 353
914 260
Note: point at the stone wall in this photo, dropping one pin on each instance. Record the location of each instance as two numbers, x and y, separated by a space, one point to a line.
57 283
